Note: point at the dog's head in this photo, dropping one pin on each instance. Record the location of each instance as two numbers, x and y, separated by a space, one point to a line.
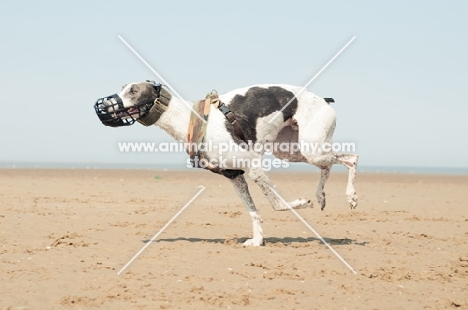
133 102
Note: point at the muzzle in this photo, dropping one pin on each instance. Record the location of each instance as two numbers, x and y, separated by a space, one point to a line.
112 112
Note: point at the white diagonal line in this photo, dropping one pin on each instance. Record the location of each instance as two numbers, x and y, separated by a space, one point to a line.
160 77
312 79
315 232
161 230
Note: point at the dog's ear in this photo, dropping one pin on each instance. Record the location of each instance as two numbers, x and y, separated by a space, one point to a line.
123 86
152 82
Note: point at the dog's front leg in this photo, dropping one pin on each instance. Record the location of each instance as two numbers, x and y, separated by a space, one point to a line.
259 176
242 189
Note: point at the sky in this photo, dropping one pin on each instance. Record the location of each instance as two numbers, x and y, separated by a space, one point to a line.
400 87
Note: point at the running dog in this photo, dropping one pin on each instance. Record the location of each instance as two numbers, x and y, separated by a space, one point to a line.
266 115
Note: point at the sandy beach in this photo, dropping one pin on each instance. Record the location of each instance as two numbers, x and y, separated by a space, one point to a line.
66 233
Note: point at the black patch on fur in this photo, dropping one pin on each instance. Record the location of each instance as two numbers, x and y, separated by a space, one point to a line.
232 174
256 103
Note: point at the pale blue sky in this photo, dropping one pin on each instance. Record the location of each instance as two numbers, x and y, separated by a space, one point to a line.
400 87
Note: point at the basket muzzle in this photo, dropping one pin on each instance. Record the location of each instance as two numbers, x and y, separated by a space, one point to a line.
112 112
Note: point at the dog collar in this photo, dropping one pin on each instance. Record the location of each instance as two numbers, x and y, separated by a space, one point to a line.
160 106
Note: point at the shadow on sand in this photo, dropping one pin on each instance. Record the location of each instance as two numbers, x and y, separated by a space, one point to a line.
284 240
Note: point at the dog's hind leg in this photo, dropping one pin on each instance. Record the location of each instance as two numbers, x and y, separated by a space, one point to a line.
242 189
350 161
258 175
320 194
317 134
325 162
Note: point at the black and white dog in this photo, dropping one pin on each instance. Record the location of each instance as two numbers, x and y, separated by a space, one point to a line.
265 117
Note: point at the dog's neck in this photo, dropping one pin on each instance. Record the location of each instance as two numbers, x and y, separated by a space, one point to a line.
176 119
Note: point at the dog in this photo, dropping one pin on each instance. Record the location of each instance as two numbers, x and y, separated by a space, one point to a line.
267 115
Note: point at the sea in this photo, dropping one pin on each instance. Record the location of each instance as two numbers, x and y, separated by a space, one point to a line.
293 167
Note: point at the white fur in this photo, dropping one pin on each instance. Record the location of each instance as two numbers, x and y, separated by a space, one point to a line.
268 131
125 101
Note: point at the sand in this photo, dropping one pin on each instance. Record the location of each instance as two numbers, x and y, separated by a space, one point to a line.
66 233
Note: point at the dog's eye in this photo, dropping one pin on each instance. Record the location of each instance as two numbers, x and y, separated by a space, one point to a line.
134 90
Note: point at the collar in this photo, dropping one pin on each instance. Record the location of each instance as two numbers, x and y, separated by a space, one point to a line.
160 106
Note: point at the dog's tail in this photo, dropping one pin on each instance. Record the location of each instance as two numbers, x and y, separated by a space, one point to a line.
329 100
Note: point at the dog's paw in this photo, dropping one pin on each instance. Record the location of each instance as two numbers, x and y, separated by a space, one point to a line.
352 200
322 201
254 242
301 203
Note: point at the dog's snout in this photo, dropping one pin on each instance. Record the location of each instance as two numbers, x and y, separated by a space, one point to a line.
107 103
110 105
107 106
